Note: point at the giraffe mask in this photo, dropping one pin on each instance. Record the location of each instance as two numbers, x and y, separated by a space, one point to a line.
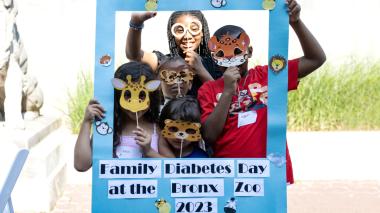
135 95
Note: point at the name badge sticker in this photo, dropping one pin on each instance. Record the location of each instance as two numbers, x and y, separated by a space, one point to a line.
246 118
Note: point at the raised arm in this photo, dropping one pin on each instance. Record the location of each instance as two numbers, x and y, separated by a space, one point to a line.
133 49
214 124
314 56
83 145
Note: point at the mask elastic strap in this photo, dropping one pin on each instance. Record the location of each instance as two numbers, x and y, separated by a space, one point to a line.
137 120
179 90
180 153
238 94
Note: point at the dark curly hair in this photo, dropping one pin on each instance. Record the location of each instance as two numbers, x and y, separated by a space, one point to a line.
185 108
231 30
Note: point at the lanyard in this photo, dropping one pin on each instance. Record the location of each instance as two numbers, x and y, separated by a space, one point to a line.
238 89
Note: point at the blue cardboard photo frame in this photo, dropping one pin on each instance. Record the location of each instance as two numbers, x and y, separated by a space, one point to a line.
272 199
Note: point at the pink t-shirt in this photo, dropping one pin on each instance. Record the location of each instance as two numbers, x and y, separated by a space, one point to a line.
128 148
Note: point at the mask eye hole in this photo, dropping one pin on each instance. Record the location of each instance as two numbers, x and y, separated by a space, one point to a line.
127 94
220 54
173 129
172 77
237 51
142 95
183 74
190 131
194 26
179 30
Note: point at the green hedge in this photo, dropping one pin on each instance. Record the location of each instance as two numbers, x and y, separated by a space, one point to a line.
344 97
78 100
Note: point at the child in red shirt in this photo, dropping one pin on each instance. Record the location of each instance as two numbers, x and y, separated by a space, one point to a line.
234 110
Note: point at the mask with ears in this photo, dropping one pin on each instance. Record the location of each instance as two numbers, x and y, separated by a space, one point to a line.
228 51
135 95
173 77
183 130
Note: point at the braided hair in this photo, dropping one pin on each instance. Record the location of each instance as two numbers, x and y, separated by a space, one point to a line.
203 50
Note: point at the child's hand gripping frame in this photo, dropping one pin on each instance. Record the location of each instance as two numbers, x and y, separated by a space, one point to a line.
109 183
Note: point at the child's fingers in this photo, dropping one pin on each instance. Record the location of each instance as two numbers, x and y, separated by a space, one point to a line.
96 110
140 144
234 71
97 113
296 9
140 132
140 138
141 129
191 53
149 15
237 76
99 107
137 132
292 4
93 101
189 58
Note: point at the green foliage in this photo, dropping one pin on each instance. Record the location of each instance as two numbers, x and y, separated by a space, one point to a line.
78 100
345 97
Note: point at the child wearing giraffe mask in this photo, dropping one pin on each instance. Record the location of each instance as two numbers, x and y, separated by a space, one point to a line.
136 110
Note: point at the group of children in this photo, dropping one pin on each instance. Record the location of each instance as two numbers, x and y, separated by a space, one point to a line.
141 133
211 99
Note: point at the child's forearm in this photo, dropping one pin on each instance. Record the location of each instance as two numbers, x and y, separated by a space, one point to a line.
133 44
204 75
314 55
83 149
214 124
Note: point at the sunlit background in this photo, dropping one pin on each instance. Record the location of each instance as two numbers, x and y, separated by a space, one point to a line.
341 100
59 36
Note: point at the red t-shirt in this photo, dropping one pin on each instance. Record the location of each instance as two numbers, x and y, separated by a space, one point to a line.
249 140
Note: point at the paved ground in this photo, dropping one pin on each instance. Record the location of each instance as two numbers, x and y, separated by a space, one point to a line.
303 197
334 197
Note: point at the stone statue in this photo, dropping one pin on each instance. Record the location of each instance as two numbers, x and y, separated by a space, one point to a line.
20 96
